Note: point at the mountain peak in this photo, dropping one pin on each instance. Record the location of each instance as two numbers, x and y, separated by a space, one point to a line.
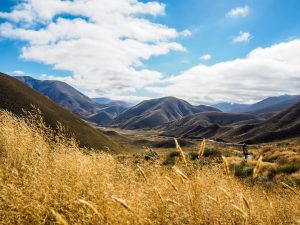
155 112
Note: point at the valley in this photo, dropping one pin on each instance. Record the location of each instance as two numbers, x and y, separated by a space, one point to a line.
149 112
131 164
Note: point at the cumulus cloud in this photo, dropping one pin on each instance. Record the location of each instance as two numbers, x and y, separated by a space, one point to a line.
239 11
206 57
103 43
242 37
262 73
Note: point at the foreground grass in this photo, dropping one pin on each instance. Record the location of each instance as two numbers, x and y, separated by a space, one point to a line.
48 179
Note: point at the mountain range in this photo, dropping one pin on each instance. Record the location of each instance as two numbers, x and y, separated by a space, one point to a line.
100 111
271 118
193 125
283 125
265 108
63 94
155 112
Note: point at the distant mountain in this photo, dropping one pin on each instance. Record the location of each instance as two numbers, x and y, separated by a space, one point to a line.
230 107
109 102
101 118
264 109
273 105
110 110
102 101
155 112
106 115
16 96
199 124
63 94
283 125
270 102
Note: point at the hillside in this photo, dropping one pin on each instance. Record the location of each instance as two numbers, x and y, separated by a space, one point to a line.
16 96
63 94
283 125
155 112
203 124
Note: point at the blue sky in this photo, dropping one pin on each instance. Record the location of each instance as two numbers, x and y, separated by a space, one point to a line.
269 22
156 72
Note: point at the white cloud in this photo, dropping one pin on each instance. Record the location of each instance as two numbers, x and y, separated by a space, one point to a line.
206 57
239 11
18 73
262 73
242 37
103 43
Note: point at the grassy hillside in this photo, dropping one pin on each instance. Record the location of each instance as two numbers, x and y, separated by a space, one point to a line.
16 96
47 182
194 125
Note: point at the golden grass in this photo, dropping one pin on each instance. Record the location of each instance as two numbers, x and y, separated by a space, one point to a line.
202 148
182 155
47 179
226 166
257 167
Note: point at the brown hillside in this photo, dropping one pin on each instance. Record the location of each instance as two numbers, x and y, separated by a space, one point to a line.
16 96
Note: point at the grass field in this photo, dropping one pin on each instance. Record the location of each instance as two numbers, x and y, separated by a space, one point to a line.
48 179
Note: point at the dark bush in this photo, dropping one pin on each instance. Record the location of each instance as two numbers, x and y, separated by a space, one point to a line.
288 168
171 143
193 156
242 170
212 153
171 158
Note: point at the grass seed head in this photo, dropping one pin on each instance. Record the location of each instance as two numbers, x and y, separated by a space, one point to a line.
226 166
90 205
289 187
142 172
180 173
182 155
59 218
123 203
202 148
257 168
172 183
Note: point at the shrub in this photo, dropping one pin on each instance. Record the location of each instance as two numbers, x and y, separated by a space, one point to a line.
212 152
171 158
288 168
193 155
242 170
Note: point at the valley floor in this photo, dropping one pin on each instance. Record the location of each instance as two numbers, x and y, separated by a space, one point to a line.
48 179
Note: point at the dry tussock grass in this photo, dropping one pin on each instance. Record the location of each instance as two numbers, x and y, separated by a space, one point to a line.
48 179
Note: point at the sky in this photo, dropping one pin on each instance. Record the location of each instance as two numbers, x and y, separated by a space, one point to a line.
203 51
